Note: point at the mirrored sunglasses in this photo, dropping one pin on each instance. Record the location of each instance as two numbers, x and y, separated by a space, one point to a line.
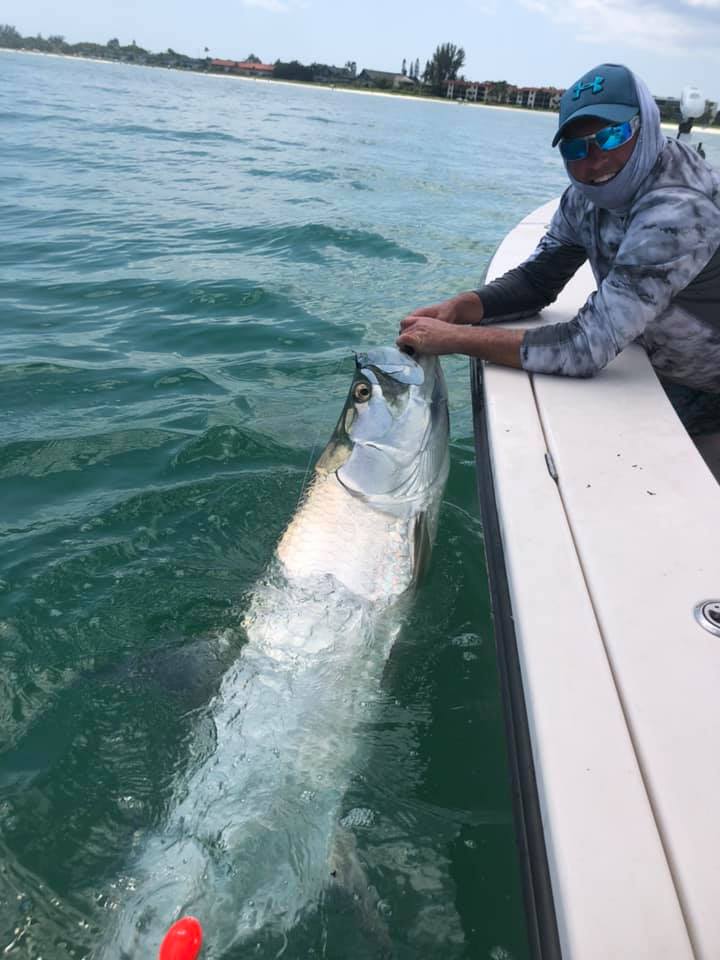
609 138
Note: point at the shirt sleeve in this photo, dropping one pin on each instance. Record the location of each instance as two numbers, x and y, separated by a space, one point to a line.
671 236
524 291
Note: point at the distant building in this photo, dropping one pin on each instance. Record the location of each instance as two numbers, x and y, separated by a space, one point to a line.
539 98
548 98
242 68
525 97
486 92
385 80
533 98
669 108
460 89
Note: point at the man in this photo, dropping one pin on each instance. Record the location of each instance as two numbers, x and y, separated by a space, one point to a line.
645 210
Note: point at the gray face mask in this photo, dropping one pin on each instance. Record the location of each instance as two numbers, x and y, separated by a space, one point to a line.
617 193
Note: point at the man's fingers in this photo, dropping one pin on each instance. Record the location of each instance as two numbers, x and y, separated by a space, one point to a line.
406 341
432 312
410 321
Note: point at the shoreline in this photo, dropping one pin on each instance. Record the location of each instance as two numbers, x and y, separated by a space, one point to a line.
330 88
382 93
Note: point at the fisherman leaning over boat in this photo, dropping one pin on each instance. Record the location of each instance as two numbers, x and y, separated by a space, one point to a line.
645 210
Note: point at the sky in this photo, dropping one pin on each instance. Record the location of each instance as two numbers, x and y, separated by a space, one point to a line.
670 43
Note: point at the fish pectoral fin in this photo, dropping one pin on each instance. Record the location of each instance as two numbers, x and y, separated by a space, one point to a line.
422 547
347 875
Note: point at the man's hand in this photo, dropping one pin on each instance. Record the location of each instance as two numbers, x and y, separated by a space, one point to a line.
451 327
430 335
434 336
464 308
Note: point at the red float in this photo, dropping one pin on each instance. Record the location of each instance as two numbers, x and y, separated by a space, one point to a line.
182 941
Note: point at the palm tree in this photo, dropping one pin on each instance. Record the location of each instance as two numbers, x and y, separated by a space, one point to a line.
444 65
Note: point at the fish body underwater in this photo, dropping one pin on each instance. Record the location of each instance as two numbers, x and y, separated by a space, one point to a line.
250 841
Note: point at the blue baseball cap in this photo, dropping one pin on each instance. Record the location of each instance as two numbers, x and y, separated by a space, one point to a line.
607 92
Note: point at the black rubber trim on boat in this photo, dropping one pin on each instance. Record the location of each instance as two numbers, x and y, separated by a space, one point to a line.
542 928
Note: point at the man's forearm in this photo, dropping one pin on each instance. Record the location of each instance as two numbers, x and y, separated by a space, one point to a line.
496 344
535 283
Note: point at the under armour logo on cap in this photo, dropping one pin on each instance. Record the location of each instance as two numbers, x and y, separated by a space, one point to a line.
596 86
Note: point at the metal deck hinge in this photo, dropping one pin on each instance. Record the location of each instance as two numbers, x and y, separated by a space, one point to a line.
550 463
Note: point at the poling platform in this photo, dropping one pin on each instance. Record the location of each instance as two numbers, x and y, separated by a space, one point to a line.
601 524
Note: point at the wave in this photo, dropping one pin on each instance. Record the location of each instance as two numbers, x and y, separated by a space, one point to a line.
303 176
200 136
70 304
228 444
42 458
312 242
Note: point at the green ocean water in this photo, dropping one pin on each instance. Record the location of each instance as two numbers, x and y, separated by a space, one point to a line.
187 264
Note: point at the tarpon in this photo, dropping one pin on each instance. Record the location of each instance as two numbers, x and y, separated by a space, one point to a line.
250 840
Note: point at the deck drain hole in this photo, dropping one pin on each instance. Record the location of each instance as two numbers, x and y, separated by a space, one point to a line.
707 615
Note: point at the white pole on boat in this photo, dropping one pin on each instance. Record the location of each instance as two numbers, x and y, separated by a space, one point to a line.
692 107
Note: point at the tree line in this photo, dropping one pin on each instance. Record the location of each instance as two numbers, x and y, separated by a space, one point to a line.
442 66
11 38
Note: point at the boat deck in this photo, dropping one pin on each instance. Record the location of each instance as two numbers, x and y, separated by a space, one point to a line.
607 522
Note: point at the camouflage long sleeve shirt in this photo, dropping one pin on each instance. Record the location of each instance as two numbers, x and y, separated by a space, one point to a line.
657 269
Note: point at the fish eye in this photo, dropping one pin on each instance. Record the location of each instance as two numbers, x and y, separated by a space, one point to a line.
362 392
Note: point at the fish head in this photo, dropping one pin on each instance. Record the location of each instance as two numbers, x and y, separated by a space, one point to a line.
390 446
